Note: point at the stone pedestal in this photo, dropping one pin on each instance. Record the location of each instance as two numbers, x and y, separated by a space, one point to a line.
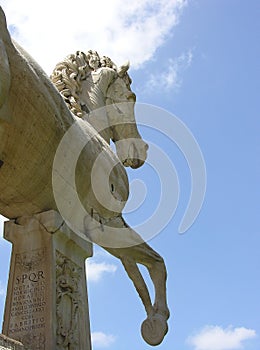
46 304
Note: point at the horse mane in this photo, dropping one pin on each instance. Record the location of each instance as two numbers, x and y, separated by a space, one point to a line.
68 74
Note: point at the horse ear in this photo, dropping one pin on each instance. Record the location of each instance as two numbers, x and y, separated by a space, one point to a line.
123 69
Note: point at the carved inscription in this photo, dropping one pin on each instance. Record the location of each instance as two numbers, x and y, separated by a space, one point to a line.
27 321
68 276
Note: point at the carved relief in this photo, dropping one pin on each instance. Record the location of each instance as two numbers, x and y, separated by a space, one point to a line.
68 302
30 259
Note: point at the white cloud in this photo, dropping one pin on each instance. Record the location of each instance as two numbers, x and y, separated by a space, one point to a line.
218 338
50 30
96 270
102 340
169 78
2 290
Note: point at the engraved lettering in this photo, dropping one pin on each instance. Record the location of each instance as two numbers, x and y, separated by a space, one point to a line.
32 276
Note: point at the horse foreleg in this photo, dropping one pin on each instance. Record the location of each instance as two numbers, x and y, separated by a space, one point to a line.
136 251
145 255
155 326
157 271
139 283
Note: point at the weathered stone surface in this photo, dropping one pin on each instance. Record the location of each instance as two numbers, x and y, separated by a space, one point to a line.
9 344
34 120
46 304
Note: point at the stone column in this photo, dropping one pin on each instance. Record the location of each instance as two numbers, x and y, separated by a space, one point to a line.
46 304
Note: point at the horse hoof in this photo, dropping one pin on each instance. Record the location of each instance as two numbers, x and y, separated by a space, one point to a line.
153 329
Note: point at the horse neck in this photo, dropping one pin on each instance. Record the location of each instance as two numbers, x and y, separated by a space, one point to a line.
95 86
94 90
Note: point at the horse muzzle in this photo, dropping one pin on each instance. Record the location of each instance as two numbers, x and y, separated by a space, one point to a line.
137 154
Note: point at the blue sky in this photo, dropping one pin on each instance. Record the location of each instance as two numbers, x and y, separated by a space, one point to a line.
200 62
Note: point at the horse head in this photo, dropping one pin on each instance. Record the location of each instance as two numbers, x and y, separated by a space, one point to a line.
120 102
99 92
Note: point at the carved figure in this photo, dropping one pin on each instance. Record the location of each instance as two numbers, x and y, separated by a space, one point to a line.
68 301
33 120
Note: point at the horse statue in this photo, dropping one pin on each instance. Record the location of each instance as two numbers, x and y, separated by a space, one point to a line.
92 95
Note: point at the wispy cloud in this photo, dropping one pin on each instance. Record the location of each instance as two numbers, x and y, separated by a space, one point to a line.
2 290
218 338
102 340
170 77
123 30
96 270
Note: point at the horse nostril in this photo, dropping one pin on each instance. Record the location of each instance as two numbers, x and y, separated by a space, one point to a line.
146 146
112 188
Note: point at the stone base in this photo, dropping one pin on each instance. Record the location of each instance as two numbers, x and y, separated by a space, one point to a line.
46 304
9 344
